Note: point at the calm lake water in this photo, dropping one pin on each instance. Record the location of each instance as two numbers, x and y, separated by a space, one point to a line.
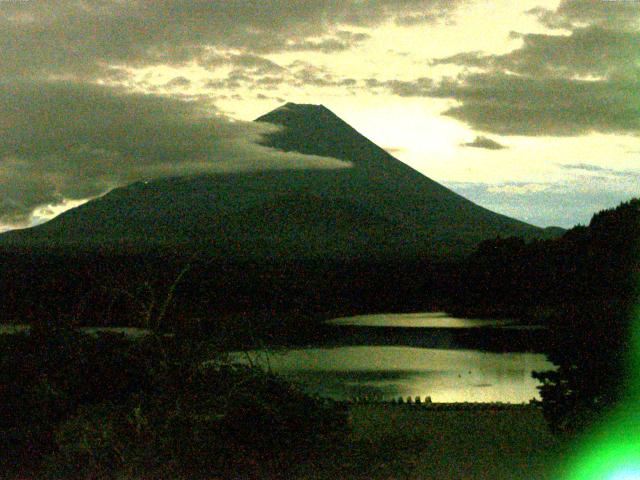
448 373
387 372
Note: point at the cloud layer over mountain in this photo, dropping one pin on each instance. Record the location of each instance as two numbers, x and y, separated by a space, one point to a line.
72 141
62 136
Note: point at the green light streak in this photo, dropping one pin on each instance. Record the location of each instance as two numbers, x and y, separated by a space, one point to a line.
611 450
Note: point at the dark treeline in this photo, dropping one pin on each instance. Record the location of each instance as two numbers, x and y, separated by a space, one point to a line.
530 281
584 286
280 298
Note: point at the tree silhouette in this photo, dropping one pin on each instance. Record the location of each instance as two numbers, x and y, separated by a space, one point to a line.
591 331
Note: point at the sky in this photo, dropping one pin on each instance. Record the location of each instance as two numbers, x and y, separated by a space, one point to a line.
529 108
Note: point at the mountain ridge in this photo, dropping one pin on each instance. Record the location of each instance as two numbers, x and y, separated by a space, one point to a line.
379 206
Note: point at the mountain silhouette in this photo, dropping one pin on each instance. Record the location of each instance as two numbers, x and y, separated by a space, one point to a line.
379 207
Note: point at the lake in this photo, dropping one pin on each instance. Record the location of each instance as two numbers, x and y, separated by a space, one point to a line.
399 355
450 374
416 320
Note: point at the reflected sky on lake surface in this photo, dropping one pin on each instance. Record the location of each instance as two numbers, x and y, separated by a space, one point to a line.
391 372
415 320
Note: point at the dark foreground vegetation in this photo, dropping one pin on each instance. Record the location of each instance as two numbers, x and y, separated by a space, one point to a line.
74 405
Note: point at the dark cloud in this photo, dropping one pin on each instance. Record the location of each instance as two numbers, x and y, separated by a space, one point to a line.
589 51
558 84
416 88
471 59
305 73
248 77
71 141
352 37
618 14
220 84
270 82
178 82
298 73
255 63
438 11
326 45
485 142
86 38
517 105
584 166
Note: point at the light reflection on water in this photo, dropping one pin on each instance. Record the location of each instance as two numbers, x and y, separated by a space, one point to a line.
390 372
416 320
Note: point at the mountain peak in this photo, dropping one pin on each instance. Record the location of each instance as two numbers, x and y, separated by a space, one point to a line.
304 106
290 111
314 129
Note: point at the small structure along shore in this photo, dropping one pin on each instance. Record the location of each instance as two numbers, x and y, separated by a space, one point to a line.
427 403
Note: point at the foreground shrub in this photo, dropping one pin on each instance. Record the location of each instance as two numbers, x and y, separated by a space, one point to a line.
77 406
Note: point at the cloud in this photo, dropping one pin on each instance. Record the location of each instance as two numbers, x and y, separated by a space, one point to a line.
64 141
589 51
324 45
485 142
507 104
584 166
298 73
554 84
404 88
178 82
256 64
618 15
307 74
517 105
517 188
88 38
587 167
538 203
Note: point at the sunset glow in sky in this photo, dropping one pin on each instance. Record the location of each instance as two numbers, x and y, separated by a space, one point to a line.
529 108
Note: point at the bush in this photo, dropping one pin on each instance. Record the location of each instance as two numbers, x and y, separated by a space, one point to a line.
77 406
47 374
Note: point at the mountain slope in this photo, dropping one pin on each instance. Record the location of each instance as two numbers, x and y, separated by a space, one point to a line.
379 207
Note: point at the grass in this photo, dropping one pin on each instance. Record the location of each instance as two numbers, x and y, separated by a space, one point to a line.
407 442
